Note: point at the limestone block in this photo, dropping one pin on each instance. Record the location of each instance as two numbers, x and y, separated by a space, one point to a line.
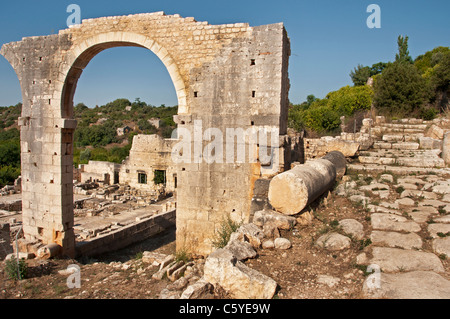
410 285
240 249
241 282
197 290
396 260
446 149
381 221
441 246
430 143
435 132
281 221
396 240
333 241
352 227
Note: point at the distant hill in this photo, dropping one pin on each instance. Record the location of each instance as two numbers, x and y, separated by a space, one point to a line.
103 133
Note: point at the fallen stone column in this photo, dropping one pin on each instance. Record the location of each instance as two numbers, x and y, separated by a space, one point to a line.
339 161
446 149
48 251
290 192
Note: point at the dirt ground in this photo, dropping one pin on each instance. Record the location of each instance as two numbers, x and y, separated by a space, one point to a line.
123 275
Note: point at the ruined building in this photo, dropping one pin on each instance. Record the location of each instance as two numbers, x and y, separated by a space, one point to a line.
230 76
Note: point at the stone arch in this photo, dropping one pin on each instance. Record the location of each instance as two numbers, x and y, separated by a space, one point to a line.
80 56
225 76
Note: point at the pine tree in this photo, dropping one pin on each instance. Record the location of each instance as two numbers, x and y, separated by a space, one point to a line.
403 52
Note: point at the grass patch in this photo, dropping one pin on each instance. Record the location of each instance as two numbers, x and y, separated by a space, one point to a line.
442 235
16 270
222 236
363 243
400 189
183 255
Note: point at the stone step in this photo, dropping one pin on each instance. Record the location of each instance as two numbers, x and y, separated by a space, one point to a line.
399 137
398 170
396 145
409 285
416 161
421 127
401 153
396 240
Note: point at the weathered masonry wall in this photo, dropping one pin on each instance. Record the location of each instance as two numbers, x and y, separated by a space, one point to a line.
149 153
226 76
127 235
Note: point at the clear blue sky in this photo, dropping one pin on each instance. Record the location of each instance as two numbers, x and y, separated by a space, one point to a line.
328 38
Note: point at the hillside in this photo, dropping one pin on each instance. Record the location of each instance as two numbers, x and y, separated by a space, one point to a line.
96 136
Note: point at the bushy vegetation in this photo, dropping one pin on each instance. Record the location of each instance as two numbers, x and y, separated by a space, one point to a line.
323 115
9 156
403 88
96 135
16 270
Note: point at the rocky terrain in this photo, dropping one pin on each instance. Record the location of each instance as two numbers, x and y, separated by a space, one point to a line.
400 223
382 231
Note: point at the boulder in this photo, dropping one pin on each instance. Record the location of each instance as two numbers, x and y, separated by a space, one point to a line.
281 221
282 243
352 227
333 241
241 282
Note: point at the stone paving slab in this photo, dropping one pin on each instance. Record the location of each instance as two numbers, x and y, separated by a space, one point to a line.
396 240
400 260
410 285
393 222
441 246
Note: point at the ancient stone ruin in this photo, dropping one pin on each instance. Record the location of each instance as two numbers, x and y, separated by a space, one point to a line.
229 76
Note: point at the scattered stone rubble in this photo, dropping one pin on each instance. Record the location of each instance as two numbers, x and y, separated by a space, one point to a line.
409 229
99 209
224 268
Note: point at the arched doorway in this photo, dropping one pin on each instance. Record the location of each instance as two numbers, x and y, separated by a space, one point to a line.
80 62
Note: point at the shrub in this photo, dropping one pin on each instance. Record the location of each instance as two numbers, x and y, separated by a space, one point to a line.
222 237
16 270
400 90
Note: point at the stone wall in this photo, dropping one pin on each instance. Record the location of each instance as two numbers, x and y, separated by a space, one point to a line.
5 240
148 154
127 235
99 171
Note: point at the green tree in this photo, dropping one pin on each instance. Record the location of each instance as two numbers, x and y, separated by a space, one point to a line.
361 73
403 52
347 100
85 156
400 90
425 62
